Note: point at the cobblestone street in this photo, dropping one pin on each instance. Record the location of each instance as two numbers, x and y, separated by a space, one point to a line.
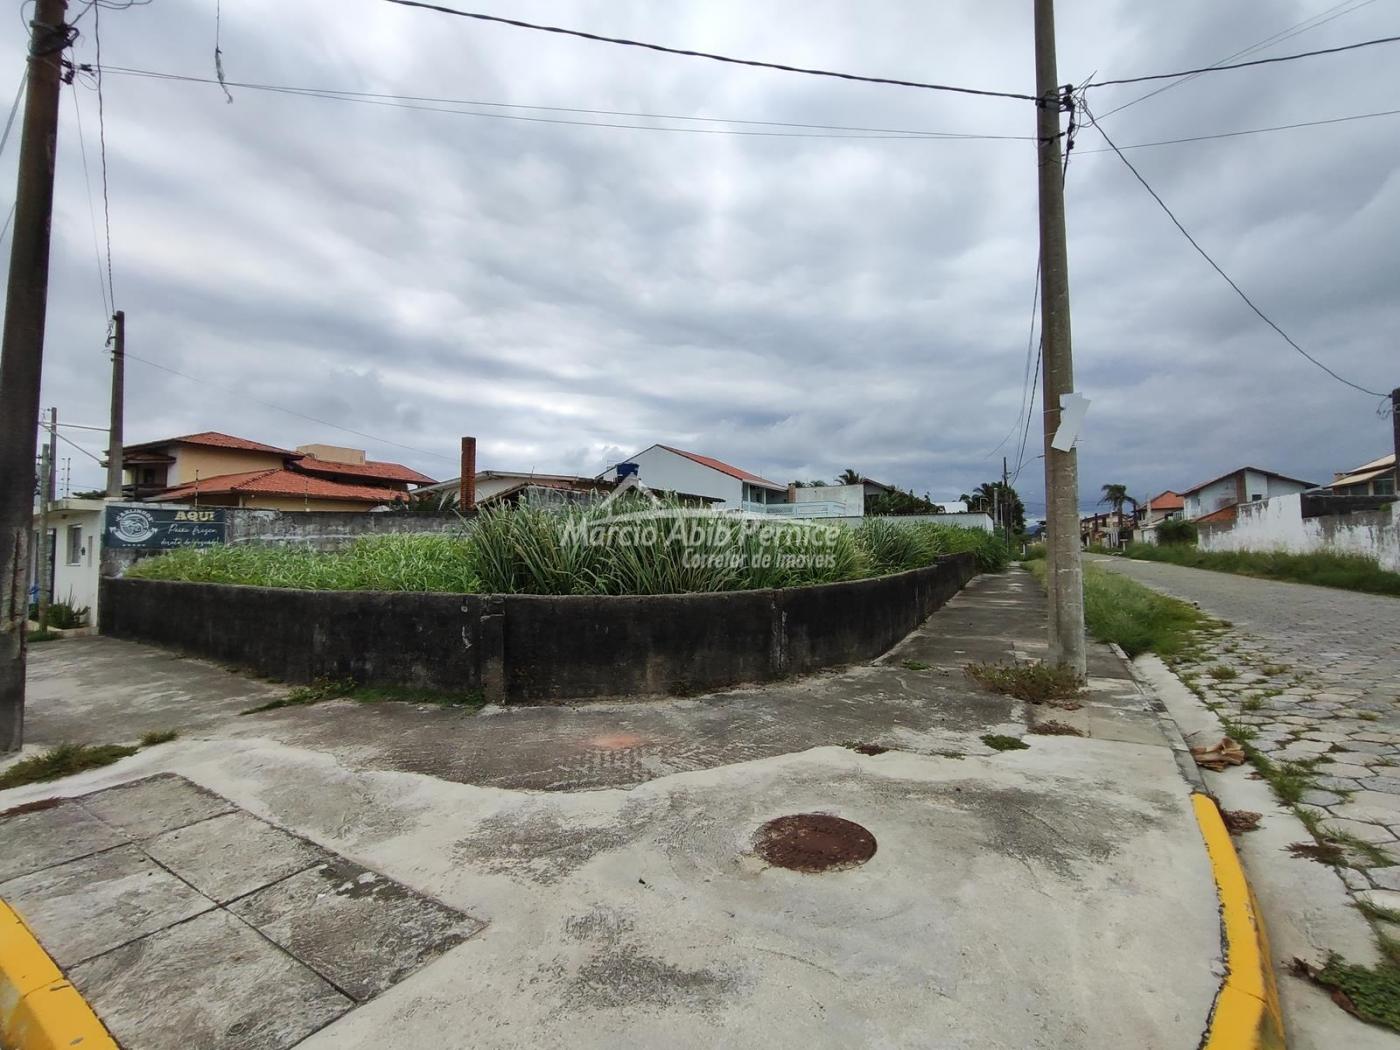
1313 674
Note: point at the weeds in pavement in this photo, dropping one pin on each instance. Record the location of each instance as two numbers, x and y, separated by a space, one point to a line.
347 689
1372 993
1378 912
1223 673
35 637
1323 852
62 761
998 742
159 736
1251 703
915 665
1274 670
1037 683
1368 716
1050 727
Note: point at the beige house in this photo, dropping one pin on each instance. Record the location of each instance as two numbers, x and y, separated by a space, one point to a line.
220 470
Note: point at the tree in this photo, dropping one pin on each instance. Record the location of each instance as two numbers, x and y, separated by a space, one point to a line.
849 477
1176 530
999 500
896 501
1115 496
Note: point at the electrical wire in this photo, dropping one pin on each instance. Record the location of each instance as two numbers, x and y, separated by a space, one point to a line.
1269 41
1249 131
1216 266
440 9
282 408
841 131
102 286
14 109
102 136
1233 65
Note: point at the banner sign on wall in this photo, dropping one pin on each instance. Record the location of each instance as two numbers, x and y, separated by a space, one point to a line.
163 528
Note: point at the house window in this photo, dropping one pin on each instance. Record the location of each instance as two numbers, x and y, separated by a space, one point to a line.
1385 486
75 544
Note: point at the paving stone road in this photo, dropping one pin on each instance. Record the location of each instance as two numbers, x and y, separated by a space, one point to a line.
1316 676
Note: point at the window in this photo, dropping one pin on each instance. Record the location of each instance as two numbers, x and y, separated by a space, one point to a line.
75 544
1385 486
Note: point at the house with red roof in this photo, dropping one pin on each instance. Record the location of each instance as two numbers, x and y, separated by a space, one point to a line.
664 468
220 470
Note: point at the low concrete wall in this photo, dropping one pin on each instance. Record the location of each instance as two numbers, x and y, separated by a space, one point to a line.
1278 524
523 648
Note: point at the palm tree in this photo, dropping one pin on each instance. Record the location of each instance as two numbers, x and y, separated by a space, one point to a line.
1115 496
849 477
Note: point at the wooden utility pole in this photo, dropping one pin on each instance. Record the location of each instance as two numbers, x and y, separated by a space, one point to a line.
114 432
1064 575
22 350
44 562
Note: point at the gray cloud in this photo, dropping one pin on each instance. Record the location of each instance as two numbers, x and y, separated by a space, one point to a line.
795 305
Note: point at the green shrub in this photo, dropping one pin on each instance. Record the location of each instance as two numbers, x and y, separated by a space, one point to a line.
1175 531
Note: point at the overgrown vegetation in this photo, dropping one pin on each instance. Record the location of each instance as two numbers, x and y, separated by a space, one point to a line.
346 689
63 616
158 736
1037 683
1175 531
62 761
1351 572
620 549
1117 609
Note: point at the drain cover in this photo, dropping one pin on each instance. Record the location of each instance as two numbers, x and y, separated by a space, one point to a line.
814 842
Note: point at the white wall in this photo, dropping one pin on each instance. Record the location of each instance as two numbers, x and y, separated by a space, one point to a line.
1278 524
661 469
850 497
1226 492
78 580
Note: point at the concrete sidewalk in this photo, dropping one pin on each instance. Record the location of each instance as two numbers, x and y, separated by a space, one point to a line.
609 848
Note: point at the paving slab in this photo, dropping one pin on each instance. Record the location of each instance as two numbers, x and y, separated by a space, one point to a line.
362 931
211 983
146 808
49 836
89 906
233 854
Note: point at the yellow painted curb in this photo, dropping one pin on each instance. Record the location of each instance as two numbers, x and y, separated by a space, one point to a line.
39 1010
1246 1014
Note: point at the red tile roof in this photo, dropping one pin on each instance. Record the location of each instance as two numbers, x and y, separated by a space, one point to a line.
1168 500
1229 513
722 467
369 469
281 483
214 439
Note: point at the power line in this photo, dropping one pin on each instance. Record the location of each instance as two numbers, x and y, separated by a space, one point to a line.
406 102
289 411
102 134
1276 38
92 210
708 55
14 108
1216 266
1249 131
1221 68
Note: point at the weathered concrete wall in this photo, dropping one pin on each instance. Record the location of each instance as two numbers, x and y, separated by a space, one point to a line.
1278 525
323 530
524 648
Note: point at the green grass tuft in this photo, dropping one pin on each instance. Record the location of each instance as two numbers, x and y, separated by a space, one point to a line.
62 761
915 665
997 742
1117 609
346 689
1037 683
1374 991
160 736
1223 673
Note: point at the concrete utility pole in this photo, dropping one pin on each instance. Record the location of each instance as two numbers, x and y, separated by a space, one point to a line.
52 490
114 432
1395 425
1064 574
44 562
1006 491
22 351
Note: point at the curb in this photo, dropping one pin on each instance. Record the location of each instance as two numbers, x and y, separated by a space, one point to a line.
1246 1014
1181 750
39 1009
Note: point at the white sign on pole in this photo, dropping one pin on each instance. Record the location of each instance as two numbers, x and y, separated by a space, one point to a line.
1072 410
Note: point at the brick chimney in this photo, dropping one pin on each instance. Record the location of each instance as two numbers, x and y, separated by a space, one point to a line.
466 495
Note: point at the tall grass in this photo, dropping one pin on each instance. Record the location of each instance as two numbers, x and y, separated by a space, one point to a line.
1117 609
620 549
1352 572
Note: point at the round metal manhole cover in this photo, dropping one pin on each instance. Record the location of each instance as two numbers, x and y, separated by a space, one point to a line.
814 842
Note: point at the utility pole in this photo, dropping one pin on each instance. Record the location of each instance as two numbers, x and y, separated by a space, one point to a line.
44 563
52 490
22 351
114 433
1006 490
1395 425
1064 573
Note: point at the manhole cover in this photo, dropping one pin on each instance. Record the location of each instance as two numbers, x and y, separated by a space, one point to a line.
814 842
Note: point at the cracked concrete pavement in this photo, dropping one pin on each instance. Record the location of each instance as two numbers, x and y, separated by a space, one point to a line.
608 849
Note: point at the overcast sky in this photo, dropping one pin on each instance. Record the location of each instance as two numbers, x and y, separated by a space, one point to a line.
794 305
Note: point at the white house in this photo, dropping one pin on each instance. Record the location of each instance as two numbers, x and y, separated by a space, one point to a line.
1217 499
668 469
75 535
